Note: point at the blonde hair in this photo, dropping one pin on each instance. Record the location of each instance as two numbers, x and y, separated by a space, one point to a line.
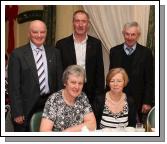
115 71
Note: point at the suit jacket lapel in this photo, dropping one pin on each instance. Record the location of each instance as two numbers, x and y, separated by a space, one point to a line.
88 51
30 61
72 50
49 62
137 56
120 55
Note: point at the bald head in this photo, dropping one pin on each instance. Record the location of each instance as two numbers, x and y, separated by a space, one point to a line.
36 23
37 32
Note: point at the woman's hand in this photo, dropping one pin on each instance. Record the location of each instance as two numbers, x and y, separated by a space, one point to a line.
89 122
46 125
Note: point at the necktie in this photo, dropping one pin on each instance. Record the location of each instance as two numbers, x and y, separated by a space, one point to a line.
130 50
40 71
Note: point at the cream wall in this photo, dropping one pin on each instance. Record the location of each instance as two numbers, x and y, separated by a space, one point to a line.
22 29
63 23
64 15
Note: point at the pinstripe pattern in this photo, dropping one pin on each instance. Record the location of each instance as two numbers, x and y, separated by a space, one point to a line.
41 71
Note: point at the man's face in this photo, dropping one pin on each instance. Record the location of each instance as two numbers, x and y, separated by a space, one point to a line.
37 33
131 36
80 24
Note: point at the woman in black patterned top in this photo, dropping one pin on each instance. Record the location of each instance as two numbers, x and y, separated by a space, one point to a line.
116 105
69 108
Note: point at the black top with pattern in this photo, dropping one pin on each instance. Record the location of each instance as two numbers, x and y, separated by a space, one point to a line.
113 120
63 115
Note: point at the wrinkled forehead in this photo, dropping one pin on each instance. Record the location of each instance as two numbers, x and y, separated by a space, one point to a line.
75 75
132 30
37 26
80 16
117 75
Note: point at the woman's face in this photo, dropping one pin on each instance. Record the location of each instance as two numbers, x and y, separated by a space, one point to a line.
117 83
74 85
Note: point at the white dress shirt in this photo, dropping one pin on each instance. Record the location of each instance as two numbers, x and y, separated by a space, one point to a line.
80 50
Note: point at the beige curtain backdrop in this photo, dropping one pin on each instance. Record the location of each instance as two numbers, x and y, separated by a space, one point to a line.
108 21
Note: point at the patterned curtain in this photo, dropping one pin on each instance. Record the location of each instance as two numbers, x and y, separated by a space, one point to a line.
49 18
151 30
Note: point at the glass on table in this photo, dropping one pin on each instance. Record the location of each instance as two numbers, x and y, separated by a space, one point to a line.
121 127
140 127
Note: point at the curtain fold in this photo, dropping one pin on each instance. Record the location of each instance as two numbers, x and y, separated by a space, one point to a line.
151 30
108 21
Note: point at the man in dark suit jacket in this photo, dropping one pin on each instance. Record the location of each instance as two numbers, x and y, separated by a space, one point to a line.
24 87
84 50
138 63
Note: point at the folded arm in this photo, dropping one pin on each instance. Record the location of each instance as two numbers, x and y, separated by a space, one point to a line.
89 122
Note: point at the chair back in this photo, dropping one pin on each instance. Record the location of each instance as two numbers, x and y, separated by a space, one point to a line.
8 119
35 121
151 119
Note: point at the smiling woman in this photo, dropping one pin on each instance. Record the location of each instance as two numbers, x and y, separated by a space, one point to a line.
117 106
69 108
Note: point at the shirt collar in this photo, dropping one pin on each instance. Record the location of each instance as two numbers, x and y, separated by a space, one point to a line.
34 47
84 41
133 47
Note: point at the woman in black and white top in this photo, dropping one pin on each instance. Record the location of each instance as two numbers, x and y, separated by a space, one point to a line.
118 108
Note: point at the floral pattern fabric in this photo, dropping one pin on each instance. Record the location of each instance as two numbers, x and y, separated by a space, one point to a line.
63 115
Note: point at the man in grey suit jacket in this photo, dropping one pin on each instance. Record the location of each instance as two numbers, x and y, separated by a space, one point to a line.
24 87
138 62
85 50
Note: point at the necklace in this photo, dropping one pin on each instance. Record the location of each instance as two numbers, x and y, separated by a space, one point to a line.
115 106
115 102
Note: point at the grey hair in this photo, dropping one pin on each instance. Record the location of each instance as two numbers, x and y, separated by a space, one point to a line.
75 70
132 24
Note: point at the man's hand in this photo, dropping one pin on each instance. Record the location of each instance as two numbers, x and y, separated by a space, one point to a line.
19 119
146 108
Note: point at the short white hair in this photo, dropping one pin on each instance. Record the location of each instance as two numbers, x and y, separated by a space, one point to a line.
132 24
